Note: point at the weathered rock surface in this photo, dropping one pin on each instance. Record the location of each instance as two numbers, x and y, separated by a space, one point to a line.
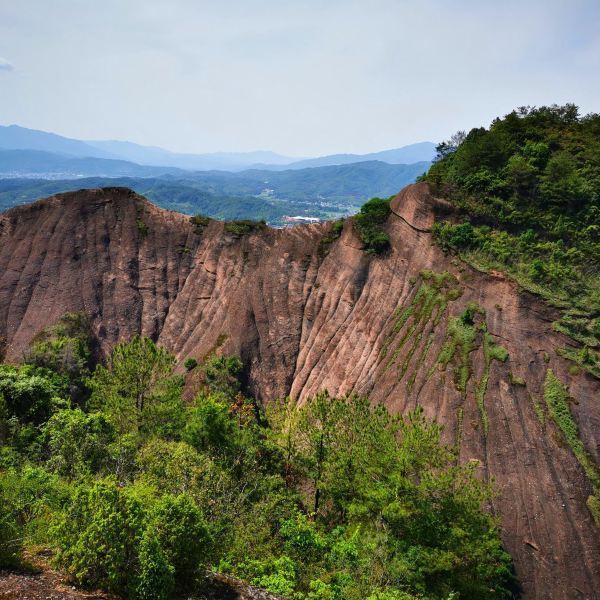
302 322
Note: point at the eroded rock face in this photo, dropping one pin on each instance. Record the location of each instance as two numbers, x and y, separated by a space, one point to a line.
304 319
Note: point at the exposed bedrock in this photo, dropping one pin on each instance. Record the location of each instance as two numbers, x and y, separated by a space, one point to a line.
304 317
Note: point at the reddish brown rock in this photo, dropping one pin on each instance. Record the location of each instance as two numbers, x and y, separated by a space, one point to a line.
303 322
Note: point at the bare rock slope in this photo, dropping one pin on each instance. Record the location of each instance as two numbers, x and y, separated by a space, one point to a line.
306 315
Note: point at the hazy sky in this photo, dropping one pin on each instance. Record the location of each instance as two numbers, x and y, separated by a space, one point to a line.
301 77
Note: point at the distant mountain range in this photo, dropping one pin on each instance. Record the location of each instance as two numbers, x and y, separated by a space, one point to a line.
414 153
14 137
51 165
322 192
251 185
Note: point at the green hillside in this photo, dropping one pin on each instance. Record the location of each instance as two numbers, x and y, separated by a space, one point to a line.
528 193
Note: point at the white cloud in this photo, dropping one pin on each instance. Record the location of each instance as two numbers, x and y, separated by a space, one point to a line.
5 65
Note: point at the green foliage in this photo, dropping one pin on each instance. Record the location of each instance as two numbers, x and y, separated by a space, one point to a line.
156 579
491 352
222 375
30 394
66 349
330 238
209 425
277 575
333 499
126 541
370 223
593 504
183 536
418 320
28 497
516 380
241 228
77 443
529 190
10 533
138 390
199 222
460 342
99 534
175 468
142 228
190 364
423 515
585 357
557 400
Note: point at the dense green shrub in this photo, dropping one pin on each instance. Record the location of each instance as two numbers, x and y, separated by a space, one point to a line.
156 579
77 443
99 535
190 364
222 375
28 499
528 191
209 425
239 229
30 394
370 223
330 238
183 536
66 349
199 222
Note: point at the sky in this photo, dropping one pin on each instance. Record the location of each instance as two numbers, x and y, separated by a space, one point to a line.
299 77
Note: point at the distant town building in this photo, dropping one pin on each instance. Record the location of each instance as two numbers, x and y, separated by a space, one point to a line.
301 219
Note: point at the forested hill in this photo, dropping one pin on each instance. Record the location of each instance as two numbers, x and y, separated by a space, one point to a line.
528 191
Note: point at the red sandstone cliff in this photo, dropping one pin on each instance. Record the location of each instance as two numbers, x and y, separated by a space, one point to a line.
302 322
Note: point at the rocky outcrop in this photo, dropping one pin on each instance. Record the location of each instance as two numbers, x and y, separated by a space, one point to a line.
412 327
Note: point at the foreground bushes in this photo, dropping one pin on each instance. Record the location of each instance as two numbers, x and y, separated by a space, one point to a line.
127 541
334 499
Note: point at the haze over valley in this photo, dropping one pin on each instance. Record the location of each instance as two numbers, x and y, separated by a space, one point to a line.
253 185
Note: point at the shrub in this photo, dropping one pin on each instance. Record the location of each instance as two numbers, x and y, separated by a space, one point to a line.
199 222
190 364
370 222
156 579
239 229
142 229
209 425
222 375
98 536
138 390
532 179
183 535
30 394
65 349
28 499
77 443
330 237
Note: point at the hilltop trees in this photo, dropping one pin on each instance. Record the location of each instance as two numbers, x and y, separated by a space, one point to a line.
528 192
